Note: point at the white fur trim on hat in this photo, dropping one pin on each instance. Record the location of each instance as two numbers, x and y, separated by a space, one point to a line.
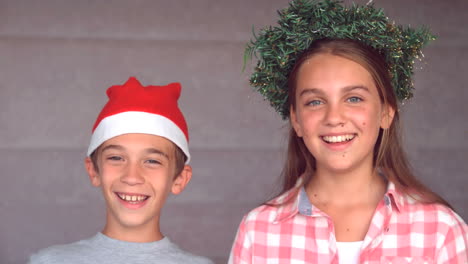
138 122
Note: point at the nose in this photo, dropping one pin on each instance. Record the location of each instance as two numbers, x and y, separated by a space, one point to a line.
334 115
132 175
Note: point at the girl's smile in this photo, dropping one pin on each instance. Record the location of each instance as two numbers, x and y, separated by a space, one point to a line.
338 112
338 141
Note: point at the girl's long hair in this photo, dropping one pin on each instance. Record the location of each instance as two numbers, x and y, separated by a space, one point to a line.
388 151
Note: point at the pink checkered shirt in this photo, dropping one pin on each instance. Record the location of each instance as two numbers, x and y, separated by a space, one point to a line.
402 231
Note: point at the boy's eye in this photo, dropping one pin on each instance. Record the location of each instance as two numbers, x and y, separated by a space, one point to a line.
314 102
354 99
115 158
152 161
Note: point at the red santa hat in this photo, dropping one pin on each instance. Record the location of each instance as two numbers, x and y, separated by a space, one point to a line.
133 108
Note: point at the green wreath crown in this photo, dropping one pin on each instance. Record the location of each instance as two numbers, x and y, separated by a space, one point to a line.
304 21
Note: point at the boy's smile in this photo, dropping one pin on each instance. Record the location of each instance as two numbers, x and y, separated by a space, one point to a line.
136 173
132 198
132 201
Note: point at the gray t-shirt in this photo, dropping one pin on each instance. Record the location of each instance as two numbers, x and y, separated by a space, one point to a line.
103 249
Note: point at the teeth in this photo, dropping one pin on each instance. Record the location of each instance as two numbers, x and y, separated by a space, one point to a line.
132 198
337 139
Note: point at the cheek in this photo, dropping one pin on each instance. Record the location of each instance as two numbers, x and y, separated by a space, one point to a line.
106 183
372 126
306 131
367 119
161 181
309 123
109 175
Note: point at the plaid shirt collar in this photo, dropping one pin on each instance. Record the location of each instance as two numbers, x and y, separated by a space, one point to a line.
296 201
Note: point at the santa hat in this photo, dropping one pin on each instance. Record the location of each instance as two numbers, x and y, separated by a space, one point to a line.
133 108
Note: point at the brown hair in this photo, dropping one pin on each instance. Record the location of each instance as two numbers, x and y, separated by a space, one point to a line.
179 157
388 152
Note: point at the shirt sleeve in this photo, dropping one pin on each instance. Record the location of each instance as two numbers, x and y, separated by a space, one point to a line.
241 249
454 249
39 258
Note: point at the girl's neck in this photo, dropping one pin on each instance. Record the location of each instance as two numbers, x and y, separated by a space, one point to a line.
347 188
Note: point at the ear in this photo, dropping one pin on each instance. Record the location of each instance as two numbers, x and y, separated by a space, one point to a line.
294 123
387 116
92 172
181 180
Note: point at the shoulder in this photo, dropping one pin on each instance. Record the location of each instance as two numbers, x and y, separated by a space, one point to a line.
265 216
437 220
253 226
412 210
264 213
273 211
60 253
452 222
447 228
177 255
432 213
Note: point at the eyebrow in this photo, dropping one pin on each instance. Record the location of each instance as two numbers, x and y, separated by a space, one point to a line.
147 150
356 87
311 90
345 89
117 147
156 151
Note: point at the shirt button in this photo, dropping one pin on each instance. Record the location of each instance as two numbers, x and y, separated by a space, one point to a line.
375 243
387 200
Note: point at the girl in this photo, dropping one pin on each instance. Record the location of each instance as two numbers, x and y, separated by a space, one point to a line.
349 195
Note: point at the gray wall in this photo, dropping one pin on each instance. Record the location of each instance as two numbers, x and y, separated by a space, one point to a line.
58 57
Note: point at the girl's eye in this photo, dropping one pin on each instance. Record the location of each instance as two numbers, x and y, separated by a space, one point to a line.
354 99
314 103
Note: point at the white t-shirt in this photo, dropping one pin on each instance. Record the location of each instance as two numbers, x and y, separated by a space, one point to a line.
348 252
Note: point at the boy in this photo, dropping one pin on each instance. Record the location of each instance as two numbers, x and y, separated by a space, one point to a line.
138 154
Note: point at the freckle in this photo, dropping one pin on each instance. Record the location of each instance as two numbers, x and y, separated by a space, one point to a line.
347 229
315 195
342 125
364 123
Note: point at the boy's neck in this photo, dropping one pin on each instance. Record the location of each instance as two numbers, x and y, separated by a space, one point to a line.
142 234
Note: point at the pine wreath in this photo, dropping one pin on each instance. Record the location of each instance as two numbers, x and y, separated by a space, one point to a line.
304 21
